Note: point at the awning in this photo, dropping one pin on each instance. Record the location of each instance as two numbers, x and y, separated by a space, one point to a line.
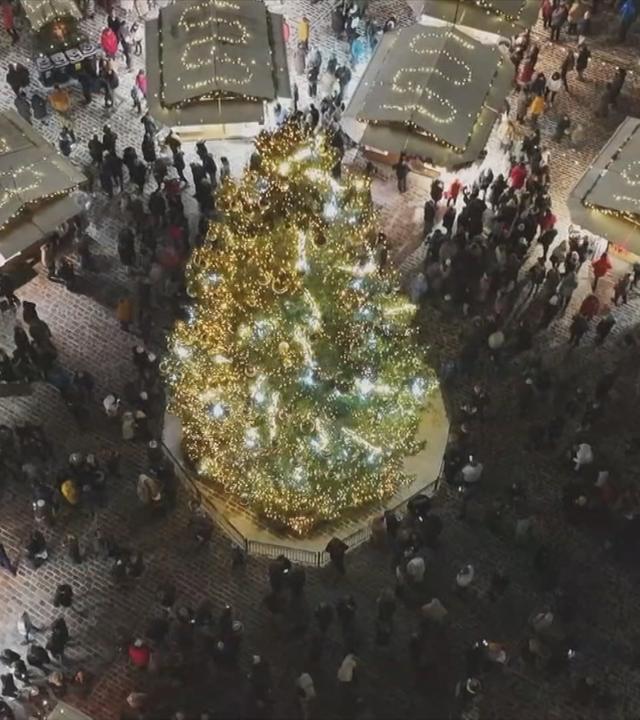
41 12
501 17
21 236
429 91
606 200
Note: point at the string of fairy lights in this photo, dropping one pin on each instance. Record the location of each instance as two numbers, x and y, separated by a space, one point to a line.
296 376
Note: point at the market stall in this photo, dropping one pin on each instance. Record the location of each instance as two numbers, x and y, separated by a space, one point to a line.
36 184
431 93
606 200
62 48
212 65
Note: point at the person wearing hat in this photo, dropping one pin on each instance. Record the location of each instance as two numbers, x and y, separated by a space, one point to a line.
148 489
139 654
465 577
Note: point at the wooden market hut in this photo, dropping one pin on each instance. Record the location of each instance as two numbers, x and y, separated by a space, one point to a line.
433 93
36 183
606 199
212 65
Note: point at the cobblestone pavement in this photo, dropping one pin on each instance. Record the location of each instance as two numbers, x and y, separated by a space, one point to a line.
88 336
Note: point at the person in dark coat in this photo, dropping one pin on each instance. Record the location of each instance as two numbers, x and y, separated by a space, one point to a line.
96 150
210 167
106 179
148 149
109 139
179 165
402 170
139 174
113 164
129 157
17 77
23 106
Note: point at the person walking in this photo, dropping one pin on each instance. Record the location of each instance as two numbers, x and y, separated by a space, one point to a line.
601 267
604 327
582 61
579 326
621 288
5 562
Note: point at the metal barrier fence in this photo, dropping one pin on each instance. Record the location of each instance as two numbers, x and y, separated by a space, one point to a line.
315 558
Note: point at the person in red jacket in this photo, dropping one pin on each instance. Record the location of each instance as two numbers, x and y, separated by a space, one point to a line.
453 191
518 175
109 42
600 268
9 22
590 306
139 654
547 221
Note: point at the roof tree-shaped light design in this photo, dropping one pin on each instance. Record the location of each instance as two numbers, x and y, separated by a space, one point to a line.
430 91
215 62
500 17
35 182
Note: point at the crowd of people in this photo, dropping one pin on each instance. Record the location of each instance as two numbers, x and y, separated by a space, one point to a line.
492 256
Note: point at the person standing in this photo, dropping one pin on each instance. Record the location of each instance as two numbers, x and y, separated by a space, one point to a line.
568 65
628 15
616 84
558 19
8 20
312 78
23 106
402 170
136 37
304 30
554 85
141 82
179 165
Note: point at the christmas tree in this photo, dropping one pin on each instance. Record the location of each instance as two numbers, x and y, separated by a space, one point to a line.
297 376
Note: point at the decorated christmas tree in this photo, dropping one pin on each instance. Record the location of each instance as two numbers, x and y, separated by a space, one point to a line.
297 376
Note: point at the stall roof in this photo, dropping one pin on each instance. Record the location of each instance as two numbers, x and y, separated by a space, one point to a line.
606 200
35 182
31 170
431 91
41 12
501 17
215 61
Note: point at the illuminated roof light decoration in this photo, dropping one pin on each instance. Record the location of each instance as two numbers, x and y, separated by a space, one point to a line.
606 200
428 87
500 17
215 62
